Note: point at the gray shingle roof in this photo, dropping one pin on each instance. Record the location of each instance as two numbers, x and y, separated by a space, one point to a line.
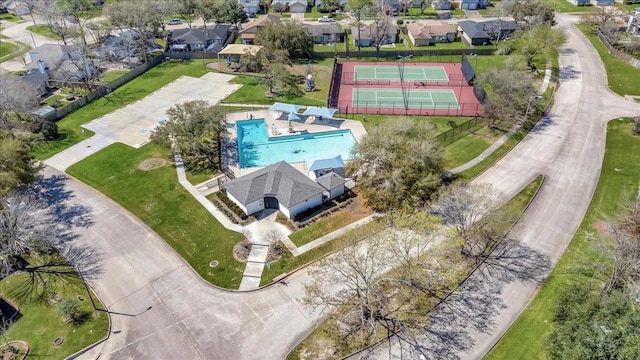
279 180
330 180
200 36
479 29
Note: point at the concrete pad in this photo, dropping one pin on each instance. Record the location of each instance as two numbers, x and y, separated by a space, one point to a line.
249 283
77 152
258 253
253 269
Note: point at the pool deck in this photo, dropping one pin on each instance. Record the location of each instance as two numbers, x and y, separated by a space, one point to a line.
278 125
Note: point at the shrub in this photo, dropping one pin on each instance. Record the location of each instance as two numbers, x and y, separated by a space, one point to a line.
49 130
69 309
222 196
636 125
400 22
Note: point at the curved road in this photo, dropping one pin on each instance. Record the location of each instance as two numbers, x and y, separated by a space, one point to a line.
189 319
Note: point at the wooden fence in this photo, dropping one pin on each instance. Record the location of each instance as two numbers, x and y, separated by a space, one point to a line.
617 53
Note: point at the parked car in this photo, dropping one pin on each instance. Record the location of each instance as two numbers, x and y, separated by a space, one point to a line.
326 19
394 12
174 21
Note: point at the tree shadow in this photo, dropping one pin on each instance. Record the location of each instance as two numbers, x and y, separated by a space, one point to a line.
473 307
52 190
546 121
568 72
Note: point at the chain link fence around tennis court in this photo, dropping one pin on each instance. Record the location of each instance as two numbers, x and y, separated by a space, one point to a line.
461 130
415 108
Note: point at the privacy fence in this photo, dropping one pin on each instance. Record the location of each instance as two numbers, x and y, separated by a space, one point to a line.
619 54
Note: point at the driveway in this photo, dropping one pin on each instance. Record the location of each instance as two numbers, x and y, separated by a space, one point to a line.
567 147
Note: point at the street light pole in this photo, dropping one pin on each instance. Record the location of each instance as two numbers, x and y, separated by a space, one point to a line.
84 282
526 113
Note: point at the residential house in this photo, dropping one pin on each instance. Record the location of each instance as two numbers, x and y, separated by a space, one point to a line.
63 63
431 32
233 53
472 4
633 26
381 33
37 78
602 2
580 2
441 5
249 30
483 33
17 7
250 6
341 3
293 6
324 33
278 186
210 39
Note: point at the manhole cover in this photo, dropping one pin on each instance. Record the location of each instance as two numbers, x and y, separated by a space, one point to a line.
58 341
213 264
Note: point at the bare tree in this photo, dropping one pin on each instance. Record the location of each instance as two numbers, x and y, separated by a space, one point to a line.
56 21
601 17
358 9
381 29
26 226
79 11
473 212
17 97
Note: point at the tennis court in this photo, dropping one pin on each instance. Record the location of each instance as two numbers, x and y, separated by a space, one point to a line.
392 73
395 98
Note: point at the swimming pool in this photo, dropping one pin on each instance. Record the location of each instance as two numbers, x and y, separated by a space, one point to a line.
256 148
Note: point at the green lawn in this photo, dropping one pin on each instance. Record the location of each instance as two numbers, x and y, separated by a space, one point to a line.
329 48
535 323
39 323
136 89
12 49
52 99
112 75
165 206
470 146
623 78
10 17
43 30
564 6
440 123
254 91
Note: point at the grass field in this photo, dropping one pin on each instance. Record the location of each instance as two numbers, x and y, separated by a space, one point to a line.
535 323
623 78
472 145
12 49
165 206
39 323
11 17
112 75
136 89
44 30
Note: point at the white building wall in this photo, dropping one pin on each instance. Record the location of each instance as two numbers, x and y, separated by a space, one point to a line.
298 208
251 208
337 191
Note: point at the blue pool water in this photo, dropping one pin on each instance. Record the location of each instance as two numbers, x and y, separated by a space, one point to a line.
256 148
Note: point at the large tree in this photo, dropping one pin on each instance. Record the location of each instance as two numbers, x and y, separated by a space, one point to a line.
18 168
198 130
232 12
539 40
16 98
188 10
26 226
509 93
529 12
291 36
397 165
57 21
79 11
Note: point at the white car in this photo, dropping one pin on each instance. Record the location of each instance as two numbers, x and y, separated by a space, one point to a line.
326 19
174 21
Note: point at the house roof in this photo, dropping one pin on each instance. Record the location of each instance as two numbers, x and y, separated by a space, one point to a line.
430 29
330 180
35 79
254 25
280 180
369 31
480 29
334 163
239 49
322 28
200 36
301 2
51 54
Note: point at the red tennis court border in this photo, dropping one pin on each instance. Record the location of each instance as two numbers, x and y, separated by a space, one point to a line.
467 101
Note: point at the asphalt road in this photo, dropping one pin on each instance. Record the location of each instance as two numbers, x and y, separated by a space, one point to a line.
189 319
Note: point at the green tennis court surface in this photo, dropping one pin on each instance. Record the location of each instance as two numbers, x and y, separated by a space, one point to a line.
416 98
411 73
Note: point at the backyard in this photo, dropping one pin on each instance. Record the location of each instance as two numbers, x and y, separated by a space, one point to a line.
535 323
